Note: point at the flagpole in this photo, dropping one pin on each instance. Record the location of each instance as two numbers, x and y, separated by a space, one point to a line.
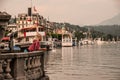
37 23
31 6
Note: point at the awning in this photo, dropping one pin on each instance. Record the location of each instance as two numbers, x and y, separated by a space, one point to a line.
5 38
30 28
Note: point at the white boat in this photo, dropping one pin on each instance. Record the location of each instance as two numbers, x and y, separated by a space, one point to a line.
99 41
67 40
27 26
86 42
88 38
28 34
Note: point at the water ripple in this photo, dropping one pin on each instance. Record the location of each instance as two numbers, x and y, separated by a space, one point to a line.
90 62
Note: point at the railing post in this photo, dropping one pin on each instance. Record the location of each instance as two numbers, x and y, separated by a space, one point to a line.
19 69
42 64
42 60
1 70
8 70
23 66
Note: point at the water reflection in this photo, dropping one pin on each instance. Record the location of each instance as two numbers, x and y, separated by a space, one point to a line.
67 55
90 62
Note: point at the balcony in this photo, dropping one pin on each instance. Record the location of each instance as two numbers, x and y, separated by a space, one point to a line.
31 34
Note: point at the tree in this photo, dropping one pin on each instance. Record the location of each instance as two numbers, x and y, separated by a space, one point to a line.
109 37
79 35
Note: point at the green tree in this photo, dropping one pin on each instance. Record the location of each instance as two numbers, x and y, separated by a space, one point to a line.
79 35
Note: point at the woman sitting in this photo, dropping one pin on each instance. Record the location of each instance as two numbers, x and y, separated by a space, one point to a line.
35 46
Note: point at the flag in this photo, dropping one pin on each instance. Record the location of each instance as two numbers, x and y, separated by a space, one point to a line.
35 9
24 34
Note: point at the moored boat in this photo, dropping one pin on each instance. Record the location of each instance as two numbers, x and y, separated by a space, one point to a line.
67 40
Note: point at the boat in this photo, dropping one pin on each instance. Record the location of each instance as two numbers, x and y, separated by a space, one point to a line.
88 38
26 36
67 40
99 41
27 26
86 42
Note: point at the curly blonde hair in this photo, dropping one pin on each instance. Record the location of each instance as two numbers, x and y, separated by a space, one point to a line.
38 36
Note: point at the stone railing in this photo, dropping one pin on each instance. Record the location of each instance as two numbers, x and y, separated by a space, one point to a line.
22 66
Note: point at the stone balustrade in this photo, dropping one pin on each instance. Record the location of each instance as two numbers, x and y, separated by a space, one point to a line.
22 66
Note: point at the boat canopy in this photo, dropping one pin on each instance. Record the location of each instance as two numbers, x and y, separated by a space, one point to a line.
30 28
5 39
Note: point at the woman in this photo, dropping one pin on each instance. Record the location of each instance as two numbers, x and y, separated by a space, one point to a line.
35 46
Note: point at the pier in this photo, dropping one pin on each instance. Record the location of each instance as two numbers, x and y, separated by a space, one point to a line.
22 66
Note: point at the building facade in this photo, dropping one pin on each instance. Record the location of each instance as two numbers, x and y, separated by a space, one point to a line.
4 19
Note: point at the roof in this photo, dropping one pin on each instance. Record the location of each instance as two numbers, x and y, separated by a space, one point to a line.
4 15
29 28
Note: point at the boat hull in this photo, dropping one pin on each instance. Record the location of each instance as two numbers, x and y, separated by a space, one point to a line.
67 45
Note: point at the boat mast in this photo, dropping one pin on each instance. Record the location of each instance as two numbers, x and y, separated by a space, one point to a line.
31 3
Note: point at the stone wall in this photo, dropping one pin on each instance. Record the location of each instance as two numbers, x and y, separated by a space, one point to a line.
22 66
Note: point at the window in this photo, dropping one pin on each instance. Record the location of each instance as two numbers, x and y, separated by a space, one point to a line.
24 18
20 18
27 39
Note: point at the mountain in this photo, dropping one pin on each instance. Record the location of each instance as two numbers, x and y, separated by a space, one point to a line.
107 29
113 29
112 21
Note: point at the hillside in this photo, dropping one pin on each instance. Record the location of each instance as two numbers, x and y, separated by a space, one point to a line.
112 21
107 29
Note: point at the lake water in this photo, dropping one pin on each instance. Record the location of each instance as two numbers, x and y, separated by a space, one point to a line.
88 62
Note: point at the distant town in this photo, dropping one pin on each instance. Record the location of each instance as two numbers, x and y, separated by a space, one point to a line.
24 25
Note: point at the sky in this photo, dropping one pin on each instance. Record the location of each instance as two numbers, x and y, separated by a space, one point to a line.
79 12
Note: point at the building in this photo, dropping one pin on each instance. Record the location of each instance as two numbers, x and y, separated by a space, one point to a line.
4 19
12 27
